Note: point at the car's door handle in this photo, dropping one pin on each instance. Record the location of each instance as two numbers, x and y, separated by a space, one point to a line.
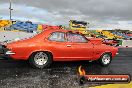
68 45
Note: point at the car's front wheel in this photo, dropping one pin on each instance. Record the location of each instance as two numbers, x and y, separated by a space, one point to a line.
40 60
105 59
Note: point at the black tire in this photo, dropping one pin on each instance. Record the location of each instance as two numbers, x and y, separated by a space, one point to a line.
41 64
103 61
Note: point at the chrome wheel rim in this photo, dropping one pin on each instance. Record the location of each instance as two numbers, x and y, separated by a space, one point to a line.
106 59
41 58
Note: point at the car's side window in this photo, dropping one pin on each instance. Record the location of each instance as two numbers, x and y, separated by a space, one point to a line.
57 36
77 38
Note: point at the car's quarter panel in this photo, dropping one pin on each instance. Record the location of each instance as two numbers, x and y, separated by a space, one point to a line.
23 50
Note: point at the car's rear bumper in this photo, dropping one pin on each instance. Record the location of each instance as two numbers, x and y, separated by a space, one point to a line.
4 57
3 51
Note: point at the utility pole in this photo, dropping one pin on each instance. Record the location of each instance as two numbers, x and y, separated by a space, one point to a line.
10 8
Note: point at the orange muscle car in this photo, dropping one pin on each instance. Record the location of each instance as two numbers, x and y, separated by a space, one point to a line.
60 45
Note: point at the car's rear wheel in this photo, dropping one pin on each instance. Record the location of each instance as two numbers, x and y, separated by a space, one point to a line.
105 59
40 60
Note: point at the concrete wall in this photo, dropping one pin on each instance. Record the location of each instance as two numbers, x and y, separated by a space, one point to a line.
9 35
127 43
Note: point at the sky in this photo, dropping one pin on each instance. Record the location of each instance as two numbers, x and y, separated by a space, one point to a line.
101 14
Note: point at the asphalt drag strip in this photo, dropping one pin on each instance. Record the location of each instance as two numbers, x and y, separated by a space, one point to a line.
18 74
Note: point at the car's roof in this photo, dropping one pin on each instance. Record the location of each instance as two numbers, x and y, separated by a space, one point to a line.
47 32
54 30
